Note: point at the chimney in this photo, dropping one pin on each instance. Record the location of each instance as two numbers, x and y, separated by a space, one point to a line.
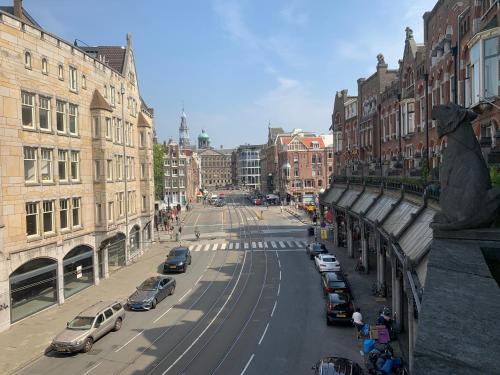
18 8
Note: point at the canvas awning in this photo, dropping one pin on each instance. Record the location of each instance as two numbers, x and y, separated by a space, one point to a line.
416 240
399 217
348 198
380 209
331 195
363 202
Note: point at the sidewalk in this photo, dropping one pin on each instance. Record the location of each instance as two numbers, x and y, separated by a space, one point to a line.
30 338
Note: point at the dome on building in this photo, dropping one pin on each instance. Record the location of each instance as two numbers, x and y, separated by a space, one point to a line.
203 135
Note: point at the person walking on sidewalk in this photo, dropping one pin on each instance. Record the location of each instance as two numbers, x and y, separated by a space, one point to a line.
357 319
180 232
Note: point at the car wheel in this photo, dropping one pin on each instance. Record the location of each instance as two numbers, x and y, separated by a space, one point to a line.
153 304
88 345
118 324
172 290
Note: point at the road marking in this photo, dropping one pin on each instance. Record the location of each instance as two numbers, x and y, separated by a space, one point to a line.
198 248
279 288
207 246
259 244
248 364
199 278
274 308
280 275
254 245
282 250
262 337
129 341
277 256
282 244
231 244
237 245
289 243
212 321
273 244
298 243
246 245
191 247
92 368
185 294
279 264
216 246
162 315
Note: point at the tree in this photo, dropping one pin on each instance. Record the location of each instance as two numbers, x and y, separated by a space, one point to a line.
495 177
158 156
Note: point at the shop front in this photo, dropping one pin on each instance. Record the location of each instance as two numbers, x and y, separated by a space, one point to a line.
78 266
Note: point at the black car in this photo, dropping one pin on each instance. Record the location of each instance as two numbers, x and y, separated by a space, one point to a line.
339 308
177 260
150 292
337 366
315 248
334 282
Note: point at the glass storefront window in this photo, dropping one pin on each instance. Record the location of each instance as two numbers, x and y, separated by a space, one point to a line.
78 270
33 287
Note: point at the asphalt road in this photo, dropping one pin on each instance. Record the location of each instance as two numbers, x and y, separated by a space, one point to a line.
236 311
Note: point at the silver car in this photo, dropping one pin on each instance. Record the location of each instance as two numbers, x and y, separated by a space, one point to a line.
89 326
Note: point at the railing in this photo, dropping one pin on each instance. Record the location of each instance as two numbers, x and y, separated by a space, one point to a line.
409 185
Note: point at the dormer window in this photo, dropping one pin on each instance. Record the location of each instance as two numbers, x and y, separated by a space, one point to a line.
27 60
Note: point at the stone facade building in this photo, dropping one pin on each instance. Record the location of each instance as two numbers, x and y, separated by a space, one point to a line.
76 165
216 168
269 164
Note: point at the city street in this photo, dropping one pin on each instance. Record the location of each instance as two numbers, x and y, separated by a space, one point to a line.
251 303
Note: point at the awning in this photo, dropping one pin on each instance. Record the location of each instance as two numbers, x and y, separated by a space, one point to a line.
348 198
416 240
363 202
331 195
399 217
380 209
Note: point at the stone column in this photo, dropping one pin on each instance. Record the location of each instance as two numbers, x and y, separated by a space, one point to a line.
364 246
60 281
95 262
105 262
393 284
398 291
382 259
411 335
350 250
379 256
335 230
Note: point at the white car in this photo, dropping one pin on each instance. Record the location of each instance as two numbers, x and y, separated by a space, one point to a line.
326 262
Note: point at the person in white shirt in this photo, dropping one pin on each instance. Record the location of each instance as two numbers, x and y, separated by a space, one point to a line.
357 319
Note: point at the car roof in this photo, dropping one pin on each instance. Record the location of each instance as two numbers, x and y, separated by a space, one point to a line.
96 308
179 248
336 276
338 297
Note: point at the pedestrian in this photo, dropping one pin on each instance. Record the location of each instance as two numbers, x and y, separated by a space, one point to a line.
180 232
357 319
165 223
281 208
177 220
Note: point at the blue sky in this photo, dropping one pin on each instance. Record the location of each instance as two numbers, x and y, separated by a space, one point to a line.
239 64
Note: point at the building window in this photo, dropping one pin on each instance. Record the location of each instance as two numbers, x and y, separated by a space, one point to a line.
144 203
31 219
111 211
46 165
62 165
143 170
121 204
28 109
75 165
97 170
27 60
118 135
141 139
109 132
109 170
48 216
84 81
63 213
45 66
76 212
44 113
60 72
112 89
73 78
30 164
95 127
98 213
452 89
73 119
119 168
61 116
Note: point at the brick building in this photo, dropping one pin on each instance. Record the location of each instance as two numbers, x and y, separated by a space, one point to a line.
76 164
269 162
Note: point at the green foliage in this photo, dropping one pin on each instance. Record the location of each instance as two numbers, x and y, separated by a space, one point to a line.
495 177
425 171
158 156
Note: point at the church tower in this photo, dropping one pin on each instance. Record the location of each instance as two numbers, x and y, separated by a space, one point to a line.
183 131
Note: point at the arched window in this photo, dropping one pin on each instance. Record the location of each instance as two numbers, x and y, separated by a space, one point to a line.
27 60
45 66
61 72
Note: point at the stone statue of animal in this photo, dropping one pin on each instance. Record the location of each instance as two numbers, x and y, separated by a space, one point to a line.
467 199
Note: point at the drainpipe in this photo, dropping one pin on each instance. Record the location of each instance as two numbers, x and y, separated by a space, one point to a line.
459 18
127 247
426 78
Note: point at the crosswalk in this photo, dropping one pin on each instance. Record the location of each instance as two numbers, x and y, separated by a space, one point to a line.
252 245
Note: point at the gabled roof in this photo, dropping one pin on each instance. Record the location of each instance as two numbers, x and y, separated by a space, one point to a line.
98 102
114 56
142 121
26 16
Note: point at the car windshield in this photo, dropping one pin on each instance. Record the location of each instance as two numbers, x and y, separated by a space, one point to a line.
336 284
81 323
339 298
149 284
328 259
316 246
178 253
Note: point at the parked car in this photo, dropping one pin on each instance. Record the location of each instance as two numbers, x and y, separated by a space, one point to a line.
334 282
326 262
315 248
89 326
337 366
339 308
177 260
150 292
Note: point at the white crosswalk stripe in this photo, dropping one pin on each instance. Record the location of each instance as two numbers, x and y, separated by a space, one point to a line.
191 247
223 246
259 244
246 245
297 243
282 244
237 245
207 246
215 247
289 243
273 244
231 244
254 245
198 248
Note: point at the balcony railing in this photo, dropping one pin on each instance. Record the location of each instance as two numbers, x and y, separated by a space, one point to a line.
409 185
